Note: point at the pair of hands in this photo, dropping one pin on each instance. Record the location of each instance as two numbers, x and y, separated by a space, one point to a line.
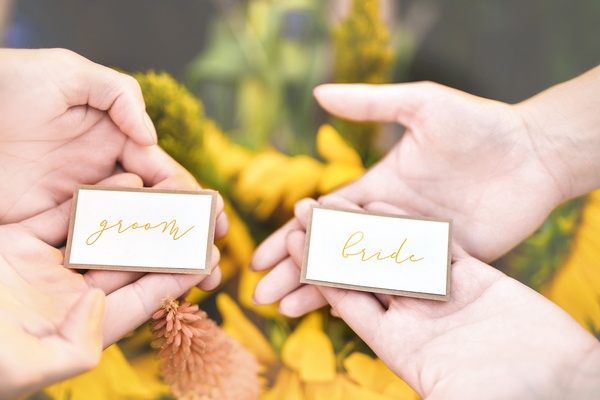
66 120
481 163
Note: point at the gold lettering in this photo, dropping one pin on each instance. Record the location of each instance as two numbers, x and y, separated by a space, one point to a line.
358 236
171 226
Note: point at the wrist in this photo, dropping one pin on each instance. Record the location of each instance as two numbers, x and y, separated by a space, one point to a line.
563 125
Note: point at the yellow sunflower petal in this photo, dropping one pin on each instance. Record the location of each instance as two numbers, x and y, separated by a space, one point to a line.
374 375
227 158
113 378
240 328
261 184
302 180
287 386
308 350
325 390
333 148
337 174
352 391
576 287
147 367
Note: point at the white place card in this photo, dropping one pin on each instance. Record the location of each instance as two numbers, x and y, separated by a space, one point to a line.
150 230
379 253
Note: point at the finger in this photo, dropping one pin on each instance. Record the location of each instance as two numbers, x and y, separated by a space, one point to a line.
130 306
159 170
302 301
110 281
282 280
184 181
295 245
108 90
273 250
222 223
381 103
360 310
82 332
338 201
154 166
303 207
361 191
302 211
387 208
52 225
307 297
75 348
212 281
311 297
82 324
179 180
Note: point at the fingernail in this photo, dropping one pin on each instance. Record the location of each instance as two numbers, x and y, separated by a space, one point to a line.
150 127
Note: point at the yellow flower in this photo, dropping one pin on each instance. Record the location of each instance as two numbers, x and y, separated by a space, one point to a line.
344 164
273 181
302 180
287 387
307 369
576 287
223 158
374 375
113 379
240 328
362 55
334 149
260 185
309 352
362 52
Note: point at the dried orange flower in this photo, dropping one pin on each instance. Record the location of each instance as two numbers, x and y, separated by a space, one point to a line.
198 359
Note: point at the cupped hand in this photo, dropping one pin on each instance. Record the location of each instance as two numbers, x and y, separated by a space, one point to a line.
56 321
66 120
495 338
462 157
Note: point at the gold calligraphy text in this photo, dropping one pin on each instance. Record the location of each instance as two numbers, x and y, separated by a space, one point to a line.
352 244
167 227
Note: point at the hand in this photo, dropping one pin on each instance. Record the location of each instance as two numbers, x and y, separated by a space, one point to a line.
66 120
494 338
56 321
462 157
472 160
496 170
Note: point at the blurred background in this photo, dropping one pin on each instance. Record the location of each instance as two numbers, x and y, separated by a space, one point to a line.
506 50
228 85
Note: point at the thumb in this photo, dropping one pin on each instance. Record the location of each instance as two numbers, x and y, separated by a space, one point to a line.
378 103
119 94
360 310
82 331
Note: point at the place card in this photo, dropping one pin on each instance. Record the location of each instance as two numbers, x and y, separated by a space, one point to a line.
379 253
149 230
